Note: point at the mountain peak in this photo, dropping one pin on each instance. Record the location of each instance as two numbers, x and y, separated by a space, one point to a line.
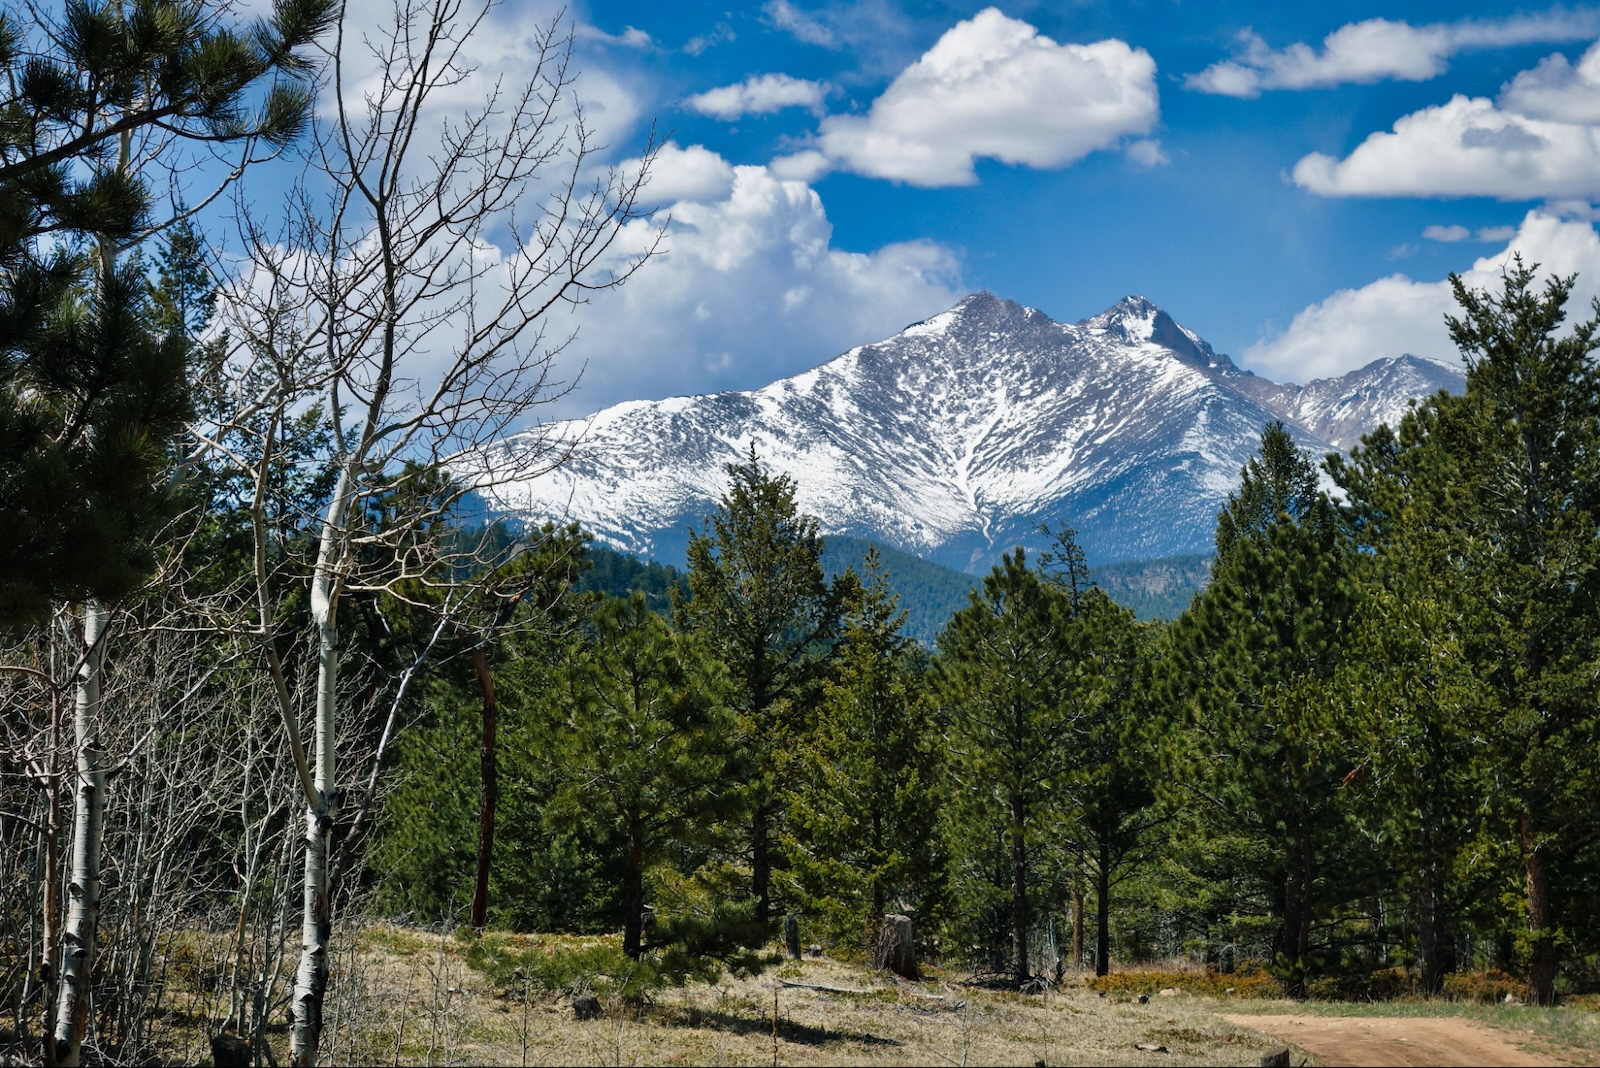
958 437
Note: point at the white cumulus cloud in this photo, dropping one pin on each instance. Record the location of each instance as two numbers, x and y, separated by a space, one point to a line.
994 87
1557 90
1468 146
1454 232
1379 49
677 173
1398 314
759 95
749 289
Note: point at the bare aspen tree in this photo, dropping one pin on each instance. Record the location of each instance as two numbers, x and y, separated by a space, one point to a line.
408 295
83 885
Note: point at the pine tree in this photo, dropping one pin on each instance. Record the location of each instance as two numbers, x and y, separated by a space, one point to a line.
639 741
758 600
1112 791
1008 681
865 806
92 388
1248 673
1486 508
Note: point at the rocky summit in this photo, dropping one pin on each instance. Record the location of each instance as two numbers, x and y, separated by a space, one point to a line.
958 437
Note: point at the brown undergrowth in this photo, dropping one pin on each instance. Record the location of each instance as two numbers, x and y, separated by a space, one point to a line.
404 996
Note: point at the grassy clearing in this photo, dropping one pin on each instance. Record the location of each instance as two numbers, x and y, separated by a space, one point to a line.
405 996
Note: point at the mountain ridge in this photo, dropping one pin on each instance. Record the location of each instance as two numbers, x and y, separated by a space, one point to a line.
957 437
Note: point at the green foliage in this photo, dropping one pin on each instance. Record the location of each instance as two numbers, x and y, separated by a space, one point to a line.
637 742
1485 510
1253 759
1155 589
92 397
94 383
1009 684
599 967
614 574
760 605
863 834
927 592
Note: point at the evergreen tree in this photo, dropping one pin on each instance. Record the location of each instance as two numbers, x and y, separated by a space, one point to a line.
1008 680
1488 505
639 741
92 389
760 604
1112 792
1252 760
864 810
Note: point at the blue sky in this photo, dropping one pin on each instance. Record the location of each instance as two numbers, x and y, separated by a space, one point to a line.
1294 184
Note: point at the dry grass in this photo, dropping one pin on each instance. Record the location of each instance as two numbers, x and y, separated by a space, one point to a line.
403 996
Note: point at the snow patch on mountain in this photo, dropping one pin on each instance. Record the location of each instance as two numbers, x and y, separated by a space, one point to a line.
957 437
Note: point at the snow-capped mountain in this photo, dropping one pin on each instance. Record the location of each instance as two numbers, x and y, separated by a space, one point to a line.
957 437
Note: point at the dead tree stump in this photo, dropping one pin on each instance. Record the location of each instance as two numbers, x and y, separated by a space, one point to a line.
896 951
230 1051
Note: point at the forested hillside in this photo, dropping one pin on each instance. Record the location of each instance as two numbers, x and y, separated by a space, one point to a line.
929 593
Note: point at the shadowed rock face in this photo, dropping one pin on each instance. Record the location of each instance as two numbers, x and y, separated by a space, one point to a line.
957 437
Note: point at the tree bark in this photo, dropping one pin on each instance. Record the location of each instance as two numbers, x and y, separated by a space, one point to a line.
491 793
761 862
49 984
1019 894
1432 947
1545 958
1077 921
311 977
1102 918
83 886
633 895
1294 935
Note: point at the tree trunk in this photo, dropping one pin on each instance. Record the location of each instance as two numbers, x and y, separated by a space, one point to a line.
1545 956
311 977
1102 931
896 948
1077 921
1432 948
761 862
1292 940
633 895
878 852
49 948
1019 895
83 887
491 793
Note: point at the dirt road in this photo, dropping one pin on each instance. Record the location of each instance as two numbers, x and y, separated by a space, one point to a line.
1389 1041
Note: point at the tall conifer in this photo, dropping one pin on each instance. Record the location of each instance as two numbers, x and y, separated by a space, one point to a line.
1252 760
760 603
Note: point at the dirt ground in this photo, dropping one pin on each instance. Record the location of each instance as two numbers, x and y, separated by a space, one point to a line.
1389 1042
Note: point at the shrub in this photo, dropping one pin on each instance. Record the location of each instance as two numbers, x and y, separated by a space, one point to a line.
1485 987
1384 984
1252 984
598 967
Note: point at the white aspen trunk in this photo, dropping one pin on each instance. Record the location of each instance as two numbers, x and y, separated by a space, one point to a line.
311 978
49 975
83 886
